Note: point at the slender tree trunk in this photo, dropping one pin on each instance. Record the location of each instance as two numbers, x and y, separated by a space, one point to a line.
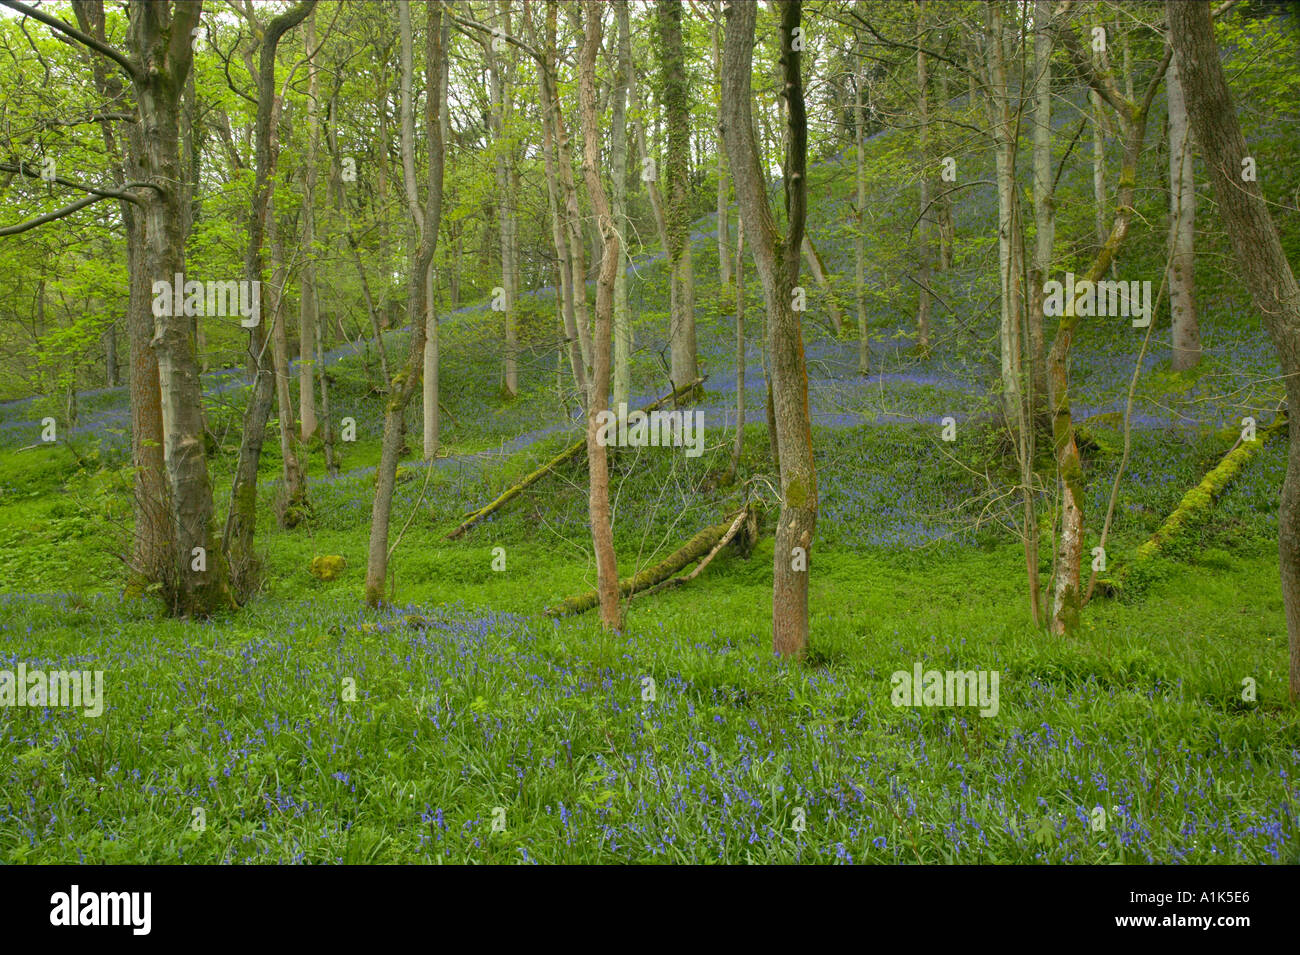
241 516
859 212
294 494
1182 230
1132 117
1003 123
778 263
925 239
1044 203
602 534
307 306
1261 260
565 292
404 385
1099 167
724 238
676 101
502 97
945 226
739 446
432 411
618 174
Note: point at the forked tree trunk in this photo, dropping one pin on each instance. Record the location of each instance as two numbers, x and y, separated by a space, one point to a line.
1261 260
778 266
1132 116
160 40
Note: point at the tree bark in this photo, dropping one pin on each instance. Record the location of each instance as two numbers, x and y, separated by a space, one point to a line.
404 384
1002 122
618 175
598 508
241 517
307 305
859 213
1185 329
675 94
1261 259
924 236
724 238
501 86
1044 202
153 557
1132 117
778 263
159 37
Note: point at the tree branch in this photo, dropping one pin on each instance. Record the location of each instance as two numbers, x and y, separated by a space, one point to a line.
60 213
68 29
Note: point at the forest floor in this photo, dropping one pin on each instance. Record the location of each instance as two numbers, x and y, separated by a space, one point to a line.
471 707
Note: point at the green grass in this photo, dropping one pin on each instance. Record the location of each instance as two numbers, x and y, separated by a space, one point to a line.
470 710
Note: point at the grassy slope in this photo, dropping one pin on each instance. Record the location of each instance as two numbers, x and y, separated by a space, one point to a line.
469 708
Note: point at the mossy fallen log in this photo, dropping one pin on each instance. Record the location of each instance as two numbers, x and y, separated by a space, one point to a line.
704 544
1193 507
572 451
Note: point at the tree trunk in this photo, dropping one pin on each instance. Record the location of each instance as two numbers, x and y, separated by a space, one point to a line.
618 175
1044 202
778 262
925 239
403 386
163 54
1182 231
241 517
1098 167
676 102
501 87
739 445
602 534
565 290
293 499
724 238
153 558
818 269
1260 257
859 212
1132 117
307 307
1002 121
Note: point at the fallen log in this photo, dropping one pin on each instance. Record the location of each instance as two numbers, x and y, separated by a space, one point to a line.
567 454
1193 505
705 544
